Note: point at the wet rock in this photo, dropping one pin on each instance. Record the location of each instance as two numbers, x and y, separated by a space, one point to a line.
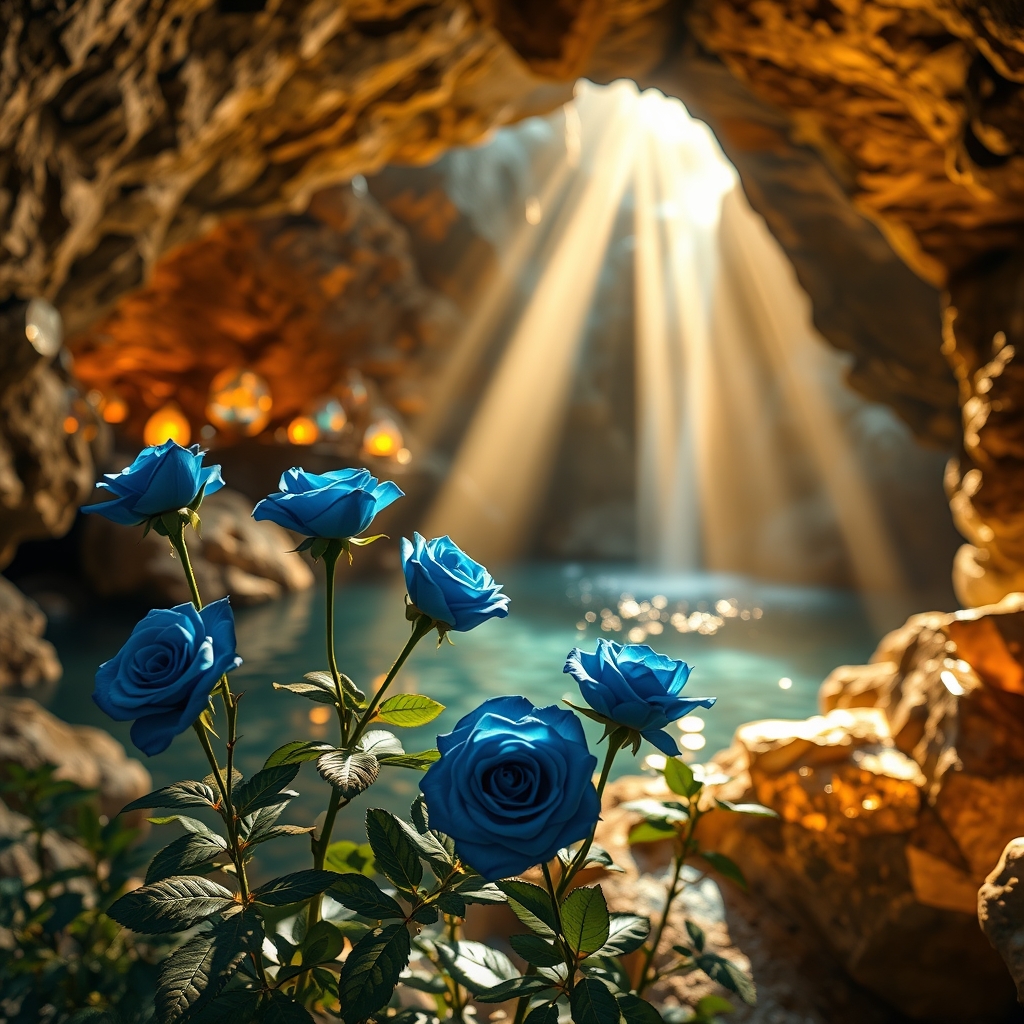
1001 910
32 737
26 659
232 555
894 804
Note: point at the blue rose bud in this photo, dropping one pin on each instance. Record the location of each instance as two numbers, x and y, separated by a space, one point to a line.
163 676
161 479
633 686
512 786
337 505
446 584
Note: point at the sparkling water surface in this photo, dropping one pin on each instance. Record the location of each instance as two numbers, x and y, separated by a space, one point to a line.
742 638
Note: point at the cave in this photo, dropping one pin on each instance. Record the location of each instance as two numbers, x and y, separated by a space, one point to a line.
695 323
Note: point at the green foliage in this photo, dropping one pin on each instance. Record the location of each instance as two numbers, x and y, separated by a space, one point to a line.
65 959
409 710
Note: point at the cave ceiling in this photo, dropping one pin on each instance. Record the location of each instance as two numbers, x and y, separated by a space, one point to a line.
883 142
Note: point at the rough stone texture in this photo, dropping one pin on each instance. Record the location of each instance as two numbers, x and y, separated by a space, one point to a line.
31 736
45 472
253 562
19 859
298 299
894 805
1001 911
132 127
26 659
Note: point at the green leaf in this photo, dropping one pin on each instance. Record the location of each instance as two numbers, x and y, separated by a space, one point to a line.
236 1006
658 810
326 680
296 752
345 856
473 889
531 904
280 1008
476 965
728 975
418 814
544 1014
323 943
636 1010
626 932
311 691
188 824
350 774
535 950
430 849
725 866
680 779
598 856
197 971
181 794
263 789
696 934
372 969
515 988
185 855
409 710
263 826
607 969
451 903
651 832
294 888
171 905
592 1003
585 920
361 894
709 1006
756 809
380 742
424 982
393 850
420 761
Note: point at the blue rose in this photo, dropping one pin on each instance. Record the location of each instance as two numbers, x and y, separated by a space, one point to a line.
161 479
512 786
335 505
633 686
446 584
163 676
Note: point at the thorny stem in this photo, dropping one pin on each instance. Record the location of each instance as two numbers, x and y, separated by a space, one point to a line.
331 556
421 627
570 963
651 951
615 743
177 539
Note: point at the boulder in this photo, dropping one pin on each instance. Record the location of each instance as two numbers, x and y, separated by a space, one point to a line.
894 805
32 737
26 659
231 555
1001 910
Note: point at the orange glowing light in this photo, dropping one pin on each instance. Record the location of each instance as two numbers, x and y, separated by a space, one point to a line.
167 424
302 430
240 400
382 438
320 716
70 424
114 410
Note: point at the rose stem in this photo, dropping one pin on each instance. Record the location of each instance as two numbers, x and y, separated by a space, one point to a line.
177 539
615 743
331 556
420 628
682 848
570 962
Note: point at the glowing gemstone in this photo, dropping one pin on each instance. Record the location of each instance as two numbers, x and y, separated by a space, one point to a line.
239 401
167 424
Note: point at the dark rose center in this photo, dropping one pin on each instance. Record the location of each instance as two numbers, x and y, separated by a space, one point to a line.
510 781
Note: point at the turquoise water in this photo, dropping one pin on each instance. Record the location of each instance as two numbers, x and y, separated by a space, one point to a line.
754 635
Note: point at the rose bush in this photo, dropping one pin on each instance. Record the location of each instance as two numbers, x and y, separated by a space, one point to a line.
445 584
336 505
513 786
163 675
161 479
635 687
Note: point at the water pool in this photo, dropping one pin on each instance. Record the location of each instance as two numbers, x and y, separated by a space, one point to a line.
742 637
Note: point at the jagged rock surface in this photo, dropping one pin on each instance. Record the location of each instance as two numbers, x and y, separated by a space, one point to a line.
26 659
894 805
233 555
1001 911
